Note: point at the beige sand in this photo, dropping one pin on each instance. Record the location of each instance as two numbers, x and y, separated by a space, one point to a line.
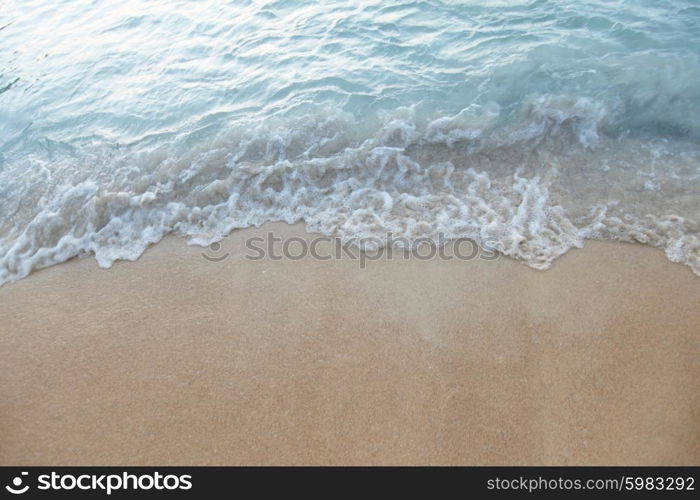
176 360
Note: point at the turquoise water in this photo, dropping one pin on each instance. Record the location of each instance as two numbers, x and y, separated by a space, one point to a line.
529 126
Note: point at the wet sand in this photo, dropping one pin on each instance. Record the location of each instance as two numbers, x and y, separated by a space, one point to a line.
174 359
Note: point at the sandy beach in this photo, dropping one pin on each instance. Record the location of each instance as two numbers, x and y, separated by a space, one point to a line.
175 359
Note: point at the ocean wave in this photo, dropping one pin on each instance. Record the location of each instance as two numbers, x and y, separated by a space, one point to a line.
532 189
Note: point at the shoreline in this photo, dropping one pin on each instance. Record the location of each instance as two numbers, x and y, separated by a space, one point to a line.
176 360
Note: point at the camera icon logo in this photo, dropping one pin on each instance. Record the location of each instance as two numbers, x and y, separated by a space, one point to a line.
16 487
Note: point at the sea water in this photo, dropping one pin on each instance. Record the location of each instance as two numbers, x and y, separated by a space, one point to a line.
526 125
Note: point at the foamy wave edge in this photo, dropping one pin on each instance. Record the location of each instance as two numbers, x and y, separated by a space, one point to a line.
457 176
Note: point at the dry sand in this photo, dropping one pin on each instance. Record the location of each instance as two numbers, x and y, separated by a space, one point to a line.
177 360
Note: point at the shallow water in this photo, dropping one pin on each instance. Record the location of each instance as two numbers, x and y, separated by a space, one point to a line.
526 125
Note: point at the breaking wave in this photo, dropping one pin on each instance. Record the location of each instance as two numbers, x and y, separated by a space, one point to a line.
531 190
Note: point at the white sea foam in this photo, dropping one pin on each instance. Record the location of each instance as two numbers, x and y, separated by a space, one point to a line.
532 189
